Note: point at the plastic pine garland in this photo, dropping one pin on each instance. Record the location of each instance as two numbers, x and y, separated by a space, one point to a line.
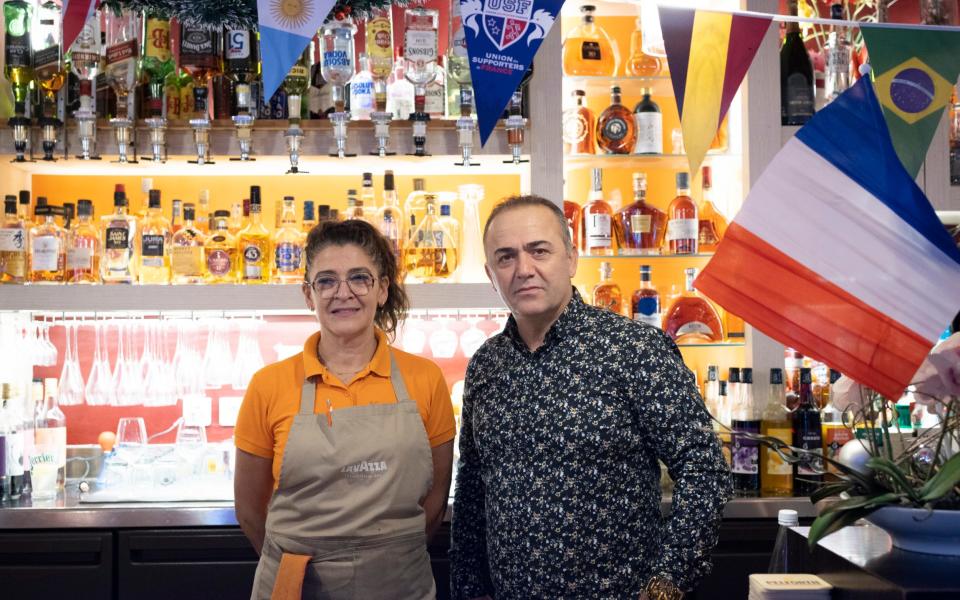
233 13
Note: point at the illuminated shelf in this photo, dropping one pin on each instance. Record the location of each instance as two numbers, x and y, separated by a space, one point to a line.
626 161
283 299
629 86
714 345
648 256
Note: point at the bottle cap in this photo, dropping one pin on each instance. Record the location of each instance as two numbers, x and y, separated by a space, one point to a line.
788 517
288 199
645 272
723 388
10 205
69 210
308 212
189 212
639 182
119 195
776 376
41 200
746 375
368 180
579 93
154 196
836 11
254 195
334 214
587 8
388 183
707 177
85 208
24 196
444 210
683 180
323 211
419 184
246 207
733 375
204 197
614 89
805 376
221 214
713 373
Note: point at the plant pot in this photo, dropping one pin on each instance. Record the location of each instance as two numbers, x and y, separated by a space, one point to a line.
919 530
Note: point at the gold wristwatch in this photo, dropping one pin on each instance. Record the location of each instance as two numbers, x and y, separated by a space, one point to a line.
661 588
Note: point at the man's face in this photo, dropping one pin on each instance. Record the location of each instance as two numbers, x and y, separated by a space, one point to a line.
528 263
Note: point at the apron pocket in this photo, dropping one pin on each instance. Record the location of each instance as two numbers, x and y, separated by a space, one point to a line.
331 577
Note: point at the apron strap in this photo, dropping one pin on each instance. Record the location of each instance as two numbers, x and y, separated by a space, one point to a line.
308 391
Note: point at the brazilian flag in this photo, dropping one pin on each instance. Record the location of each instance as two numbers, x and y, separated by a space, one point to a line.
914 73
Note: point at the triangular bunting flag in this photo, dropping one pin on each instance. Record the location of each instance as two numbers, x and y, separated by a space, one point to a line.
709 54
502 39
915 71
837 253
285 30
75 14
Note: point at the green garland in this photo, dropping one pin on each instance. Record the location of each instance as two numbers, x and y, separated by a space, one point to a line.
231 13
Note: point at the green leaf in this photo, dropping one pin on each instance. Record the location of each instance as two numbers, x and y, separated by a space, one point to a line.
941 483
896 475
831 489
828 522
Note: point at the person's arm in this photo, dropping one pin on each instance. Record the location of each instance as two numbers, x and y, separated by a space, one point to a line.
468 539
435 503
678 429
252 488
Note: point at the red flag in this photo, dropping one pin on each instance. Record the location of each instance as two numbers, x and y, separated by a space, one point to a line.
75 14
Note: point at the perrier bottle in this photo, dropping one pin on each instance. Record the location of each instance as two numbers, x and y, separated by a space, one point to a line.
18 56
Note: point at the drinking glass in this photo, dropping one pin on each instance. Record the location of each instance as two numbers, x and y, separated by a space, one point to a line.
412 337
187 366
218 362
100 390
127 378
249 358
191 445
71 389
131 439
471 251
472 338
443 341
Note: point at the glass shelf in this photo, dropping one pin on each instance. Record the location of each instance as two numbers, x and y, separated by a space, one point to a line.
629 86
671 161
713 345
647 256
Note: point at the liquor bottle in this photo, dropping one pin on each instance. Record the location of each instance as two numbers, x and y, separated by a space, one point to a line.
711 222
119 237
645 303
578 126
48 248
838 57
955 143
746 451
691 317
354 207
643 225
203 212
587 50
254 245
176 215
606 294
835 432
11 438
309 218
731 406
51 428
154 243
48 66
573 214
616 128
597 234
641 64
368 196
808 436
400 93
13 244
431 254
435 95
723 404
711 394
220 251
420 53
796 76
241 63
379 49
451 224
122 54
361 91
415 206
84 58
200 56
776 474
288 242
297 82
18 51
457 62
390 217
156 63
649 123
83 247
682 220
186 251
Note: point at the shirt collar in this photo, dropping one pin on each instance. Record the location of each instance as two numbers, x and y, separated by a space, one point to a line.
562 328
379 364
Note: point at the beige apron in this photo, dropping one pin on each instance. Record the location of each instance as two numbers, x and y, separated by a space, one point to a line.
346 520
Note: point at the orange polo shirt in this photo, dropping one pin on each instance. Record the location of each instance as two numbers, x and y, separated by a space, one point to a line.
273 397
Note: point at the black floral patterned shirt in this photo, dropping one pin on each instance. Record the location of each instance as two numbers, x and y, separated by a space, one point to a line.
558 484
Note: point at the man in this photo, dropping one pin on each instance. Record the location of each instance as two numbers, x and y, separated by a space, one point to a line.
565 414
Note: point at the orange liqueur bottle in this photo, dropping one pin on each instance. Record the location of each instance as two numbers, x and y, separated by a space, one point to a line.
616 129
588 51
643 225
578 124
683 225
691 317
597 226
606 294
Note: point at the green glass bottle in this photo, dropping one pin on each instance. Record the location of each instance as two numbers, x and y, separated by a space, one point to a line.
156 60
18 54
295 85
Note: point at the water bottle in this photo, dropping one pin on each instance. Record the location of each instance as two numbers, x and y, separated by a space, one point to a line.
781 561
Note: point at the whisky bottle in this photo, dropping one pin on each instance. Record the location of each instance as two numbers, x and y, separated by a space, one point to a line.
83 247
154 243
431 254
242 66
641 64
48 65
13 244
606 294
288 242
379 48
682 224
254 244
176 215
616 128
712 224
203 212
200 56
390 217
48 248
18 51
156 62
808 436
643 225
186 251
578 126
119 242
796 76
220 251
776 474
597 223
746 451
691 317
645 303
649 123
587 50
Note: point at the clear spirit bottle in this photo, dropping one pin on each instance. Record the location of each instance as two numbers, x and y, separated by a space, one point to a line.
288 243
587 50
691 317
83 247
361 91
186 251
683 223
48 65
606 294
118 241
241 62
254 244
154 243
643 224
645 302
51 429
838 57
400 93
220 251
48 249
122 57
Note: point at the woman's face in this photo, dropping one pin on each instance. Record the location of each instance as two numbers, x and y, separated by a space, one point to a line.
339 276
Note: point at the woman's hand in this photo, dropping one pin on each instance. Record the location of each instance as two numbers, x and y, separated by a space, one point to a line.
435 502
252 488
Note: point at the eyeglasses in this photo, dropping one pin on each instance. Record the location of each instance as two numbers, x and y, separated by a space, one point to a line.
327 286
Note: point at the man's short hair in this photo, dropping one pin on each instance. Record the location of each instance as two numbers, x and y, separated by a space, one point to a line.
514 202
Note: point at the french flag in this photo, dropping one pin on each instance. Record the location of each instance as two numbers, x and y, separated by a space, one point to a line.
837 253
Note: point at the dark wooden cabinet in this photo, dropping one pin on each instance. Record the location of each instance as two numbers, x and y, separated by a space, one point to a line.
50 565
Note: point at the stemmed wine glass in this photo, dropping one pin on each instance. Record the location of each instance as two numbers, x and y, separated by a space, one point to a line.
71 390
99 390
412 337
191 444
472 338
131 438
126 373
443 341
249 359
187 364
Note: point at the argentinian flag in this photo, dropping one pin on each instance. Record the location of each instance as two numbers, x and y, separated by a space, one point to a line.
286 27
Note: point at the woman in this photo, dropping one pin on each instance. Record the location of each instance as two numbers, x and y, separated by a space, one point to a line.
344 451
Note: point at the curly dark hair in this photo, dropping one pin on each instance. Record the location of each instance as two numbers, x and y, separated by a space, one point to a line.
366 236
